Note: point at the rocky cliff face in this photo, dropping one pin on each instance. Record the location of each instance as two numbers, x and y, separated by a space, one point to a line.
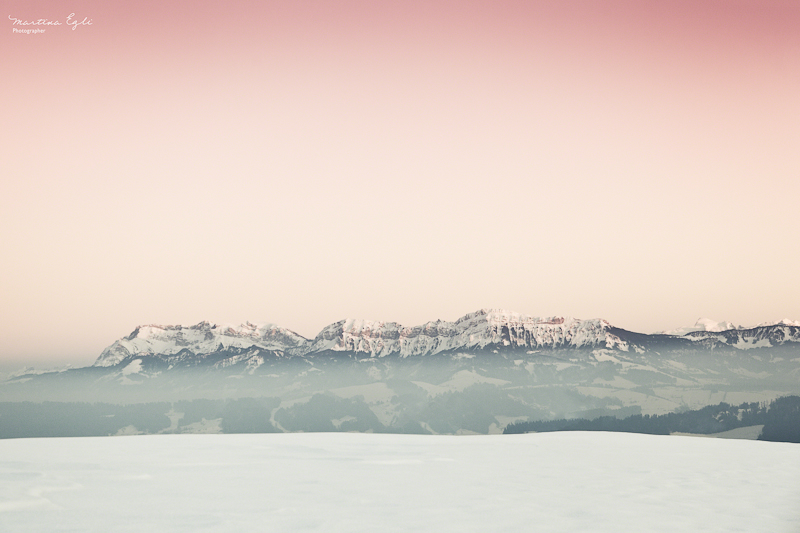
766 336
201 339
486 328
481 330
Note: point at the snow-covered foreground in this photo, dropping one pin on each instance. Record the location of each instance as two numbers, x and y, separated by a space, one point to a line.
362 482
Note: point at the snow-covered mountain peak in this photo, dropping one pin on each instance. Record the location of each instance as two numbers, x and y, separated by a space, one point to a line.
202 338
485 329
707 324
702 324
783 322
713 326
503 316
763 335
482 329
476 330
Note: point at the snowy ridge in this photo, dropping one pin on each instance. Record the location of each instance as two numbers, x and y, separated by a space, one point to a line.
702 324
487 327
707 324
484 329
784 322
200 339
765 336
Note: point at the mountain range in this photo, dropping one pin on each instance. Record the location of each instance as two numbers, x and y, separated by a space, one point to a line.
481 330
478 374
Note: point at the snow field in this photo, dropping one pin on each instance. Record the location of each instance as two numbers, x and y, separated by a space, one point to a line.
571 481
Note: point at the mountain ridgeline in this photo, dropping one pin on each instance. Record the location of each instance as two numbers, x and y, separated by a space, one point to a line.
486 370
482 330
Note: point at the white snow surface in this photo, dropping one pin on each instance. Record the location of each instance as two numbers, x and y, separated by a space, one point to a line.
350 482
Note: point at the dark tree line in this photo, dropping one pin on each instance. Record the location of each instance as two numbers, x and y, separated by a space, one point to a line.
780 418
782 421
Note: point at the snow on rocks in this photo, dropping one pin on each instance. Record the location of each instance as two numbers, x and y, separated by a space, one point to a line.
202 338
483 329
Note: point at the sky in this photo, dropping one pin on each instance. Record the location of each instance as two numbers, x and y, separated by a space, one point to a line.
303 162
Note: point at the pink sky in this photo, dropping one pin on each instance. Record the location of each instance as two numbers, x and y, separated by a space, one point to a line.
302 162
